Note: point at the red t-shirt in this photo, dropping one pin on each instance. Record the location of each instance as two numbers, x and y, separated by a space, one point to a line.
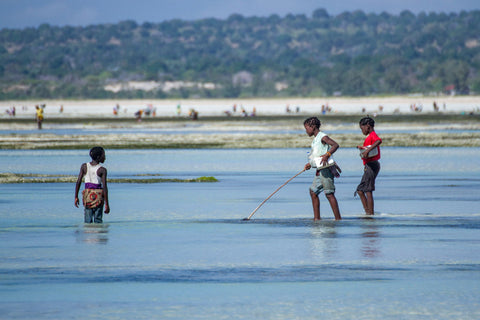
369 140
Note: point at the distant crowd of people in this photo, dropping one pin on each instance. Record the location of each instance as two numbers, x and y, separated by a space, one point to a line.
193 113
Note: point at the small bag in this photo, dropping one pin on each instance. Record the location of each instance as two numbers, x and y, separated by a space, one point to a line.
335 169
92 198
371 154
318 162
331 164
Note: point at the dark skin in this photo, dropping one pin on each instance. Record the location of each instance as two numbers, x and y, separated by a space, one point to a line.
102 173
367 197
313 131
366 130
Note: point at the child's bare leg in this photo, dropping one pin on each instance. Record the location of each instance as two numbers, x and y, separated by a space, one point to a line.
363 198
316 205
334 204
369 203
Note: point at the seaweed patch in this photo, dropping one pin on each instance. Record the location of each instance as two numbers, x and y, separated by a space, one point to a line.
7 177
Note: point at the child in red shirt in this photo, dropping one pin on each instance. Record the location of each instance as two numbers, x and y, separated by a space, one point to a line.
370 154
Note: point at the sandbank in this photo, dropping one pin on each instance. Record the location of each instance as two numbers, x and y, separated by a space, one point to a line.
12 178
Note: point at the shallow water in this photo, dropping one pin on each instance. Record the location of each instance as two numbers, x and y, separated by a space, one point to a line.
181 250
247 128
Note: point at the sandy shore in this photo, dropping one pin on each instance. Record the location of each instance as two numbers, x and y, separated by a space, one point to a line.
266 107
273 127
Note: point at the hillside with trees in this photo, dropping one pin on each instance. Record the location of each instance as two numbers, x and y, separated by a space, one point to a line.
350 54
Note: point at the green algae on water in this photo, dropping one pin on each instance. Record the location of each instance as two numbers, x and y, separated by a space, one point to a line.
8 177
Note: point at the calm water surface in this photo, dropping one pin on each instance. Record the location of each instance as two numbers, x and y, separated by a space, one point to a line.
182 251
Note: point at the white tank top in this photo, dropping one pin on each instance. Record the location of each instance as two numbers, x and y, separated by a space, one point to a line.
318 148
91 176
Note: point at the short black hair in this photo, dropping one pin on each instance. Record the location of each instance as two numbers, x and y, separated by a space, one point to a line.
312 122
96 153
367 120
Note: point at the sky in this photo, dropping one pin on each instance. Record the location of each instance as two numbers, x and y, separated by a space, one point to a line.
19 14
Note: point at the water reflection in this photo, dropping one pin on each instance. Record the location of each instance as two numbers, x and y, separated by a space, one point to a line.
323 241
93 233
370 239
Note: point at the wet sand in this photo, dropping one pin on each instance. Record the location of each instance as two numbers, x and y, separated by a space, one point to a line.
200 141
426 130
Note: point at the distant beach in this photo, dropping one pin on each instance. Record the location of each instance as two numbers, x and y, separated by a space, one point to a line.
265 107
238 123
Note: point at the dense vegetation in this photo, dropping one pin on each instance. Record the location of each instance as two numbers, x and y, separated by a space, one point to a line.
352 53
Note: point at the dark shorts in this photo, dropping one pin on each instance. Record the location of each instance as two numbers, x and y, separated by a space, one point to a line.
370 173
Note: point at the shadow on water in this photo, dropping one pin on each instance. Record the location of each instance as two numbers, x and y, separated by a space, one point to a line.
213 274
406 220
289 222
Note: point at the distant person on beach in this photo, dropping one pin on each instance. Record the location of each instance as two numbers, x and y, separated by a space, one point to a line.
95 194
322 147
39 116
193 114
11 112
370 154
138 115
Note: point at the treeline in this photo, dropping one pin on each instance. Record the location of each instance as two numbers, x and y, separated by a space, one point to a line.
352 53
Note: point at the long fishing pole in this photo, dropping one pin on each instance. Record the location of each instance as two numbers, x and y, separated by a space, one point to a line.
251 214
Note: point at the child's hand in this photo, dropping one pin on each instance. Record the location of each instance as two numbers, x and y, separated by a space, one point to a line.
107 209
325 159
308 166
76 202
363 154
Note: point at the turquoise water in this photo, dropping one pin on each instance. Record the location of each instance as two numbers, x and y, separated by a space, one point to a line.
182 251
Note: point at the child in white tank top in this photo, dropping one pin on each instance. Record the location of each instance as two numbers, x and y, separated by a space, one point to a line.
96 191
322 146
92 180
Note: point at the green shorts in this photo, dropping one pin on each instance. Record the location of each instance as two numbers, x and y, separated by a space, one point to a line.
323 181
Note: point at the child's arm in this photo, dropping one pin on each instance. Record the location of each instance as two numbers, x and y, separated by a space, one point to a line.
83 171
333 147
102 172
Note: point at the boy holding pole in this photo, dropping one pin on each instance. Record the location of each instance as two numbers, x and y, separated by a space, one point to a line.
322 149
